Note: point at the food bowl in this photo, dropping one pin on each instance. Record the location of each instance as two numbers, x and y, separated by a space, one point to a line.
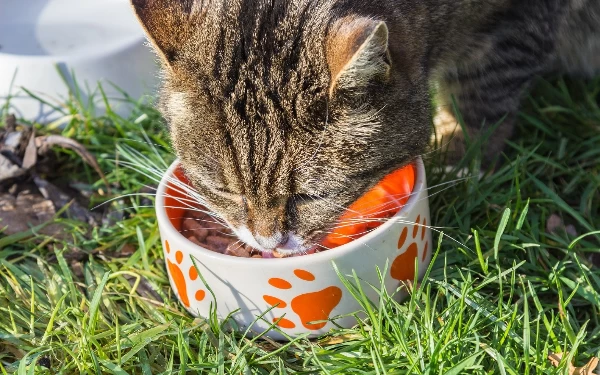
49 47
298 295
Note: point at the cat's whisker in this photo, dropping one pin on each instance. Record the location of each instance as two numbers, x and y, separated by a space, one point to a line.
122 197
226 234
218 219
354 240
399 196
327 201
198 220
136 157
439 147
435 229
154 150
371 213
156 175
450 183
323 247
188 209
149 143
350 223
185 205
241 244
188 200
209 228
187 197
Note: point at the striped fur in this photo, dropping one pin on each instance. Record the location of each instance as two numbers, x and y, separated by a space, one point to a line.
283 112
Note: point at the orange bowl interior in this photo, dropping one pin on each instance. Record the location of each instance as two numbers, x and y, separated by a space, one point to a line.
382 202
176 201
371 210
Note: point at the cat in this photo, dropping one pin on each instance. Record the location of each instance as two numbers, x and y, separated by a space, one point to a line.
284 112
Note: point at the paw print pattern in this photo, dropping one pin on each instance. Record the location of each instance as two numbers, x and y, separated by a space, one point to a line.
403 266
309 307
178 276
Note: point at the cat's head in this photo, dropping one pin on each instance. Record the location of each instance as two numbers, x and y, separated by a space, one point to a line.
283 112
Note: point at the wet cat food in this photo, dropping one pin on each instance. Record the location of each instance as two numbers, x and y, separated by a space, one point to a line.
204 230
367 213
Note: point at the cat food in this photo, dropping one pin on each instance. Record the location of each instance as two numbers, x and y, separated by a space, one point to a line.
204 230
367 213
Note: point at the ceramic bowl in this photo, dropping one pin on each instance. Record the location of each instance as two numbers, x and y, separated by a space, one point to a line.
87 41
304 294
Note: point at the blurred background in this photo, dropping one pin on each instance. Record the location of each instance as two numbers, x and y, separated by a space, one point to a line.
93 50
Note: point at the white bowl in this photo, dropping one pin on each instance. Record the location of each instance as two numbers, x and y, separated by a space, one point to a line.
306 287
98 40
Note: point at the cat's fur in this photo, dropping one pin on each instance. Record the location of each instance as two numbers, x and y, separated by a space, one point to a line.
283 112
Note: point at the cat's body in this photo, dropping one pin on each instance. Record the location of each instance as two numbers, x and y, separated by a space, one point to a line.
283 112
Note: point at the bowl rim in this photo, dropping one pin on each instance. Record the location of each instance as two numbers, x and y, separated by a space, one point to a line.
199 252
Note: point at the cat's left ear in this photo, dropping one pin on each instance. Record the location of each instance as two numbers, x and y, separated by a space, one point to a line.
167 23
357 53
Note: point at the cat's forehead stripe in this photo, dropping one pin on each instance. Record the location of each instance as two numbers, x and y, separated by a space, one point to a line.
264 73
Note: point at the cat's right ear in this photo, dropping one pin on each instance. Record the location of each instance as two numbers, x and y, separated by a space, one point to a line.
357 53
167 25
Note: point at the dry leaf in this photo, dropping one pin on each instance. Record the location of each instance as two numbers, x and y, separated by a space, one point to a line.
44 143
8 169
588 369
19 150
61 199
19 214
12 146
126 251
143 288
30 157
341 339
17 353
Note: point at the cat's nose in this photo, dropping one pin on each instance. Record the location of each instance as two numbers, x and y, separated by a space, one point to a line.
272 242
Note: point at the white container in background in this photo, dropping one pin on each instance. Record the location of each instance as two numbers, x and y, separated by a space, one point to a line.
98 40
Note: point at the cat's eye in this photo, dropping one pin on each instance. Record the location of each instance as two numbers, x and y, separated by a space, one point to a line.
222 190
226 193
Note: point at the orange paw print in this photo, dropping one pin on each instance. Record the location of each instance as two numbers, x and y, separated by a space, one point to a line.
309 307
403 266
178 276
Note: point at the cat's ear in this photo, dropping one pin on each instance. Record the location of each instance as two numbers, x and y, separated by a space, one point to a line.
166 23
357 53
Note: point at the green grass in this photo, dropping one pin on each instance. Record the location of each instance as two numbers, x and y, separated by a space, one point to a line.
499 300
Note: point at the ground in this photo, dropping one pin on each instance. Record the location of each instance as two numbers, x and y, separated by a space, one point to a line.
515 278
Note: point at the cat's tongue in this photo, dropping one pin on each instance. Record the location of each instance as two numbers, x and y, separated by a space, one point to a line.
276 254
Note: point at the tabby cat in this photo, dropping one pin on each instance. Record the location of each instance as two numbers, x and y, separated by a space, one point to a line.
283 112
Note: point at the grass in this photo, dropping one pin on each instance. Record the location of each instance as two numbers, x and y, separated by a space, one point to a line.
499 301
